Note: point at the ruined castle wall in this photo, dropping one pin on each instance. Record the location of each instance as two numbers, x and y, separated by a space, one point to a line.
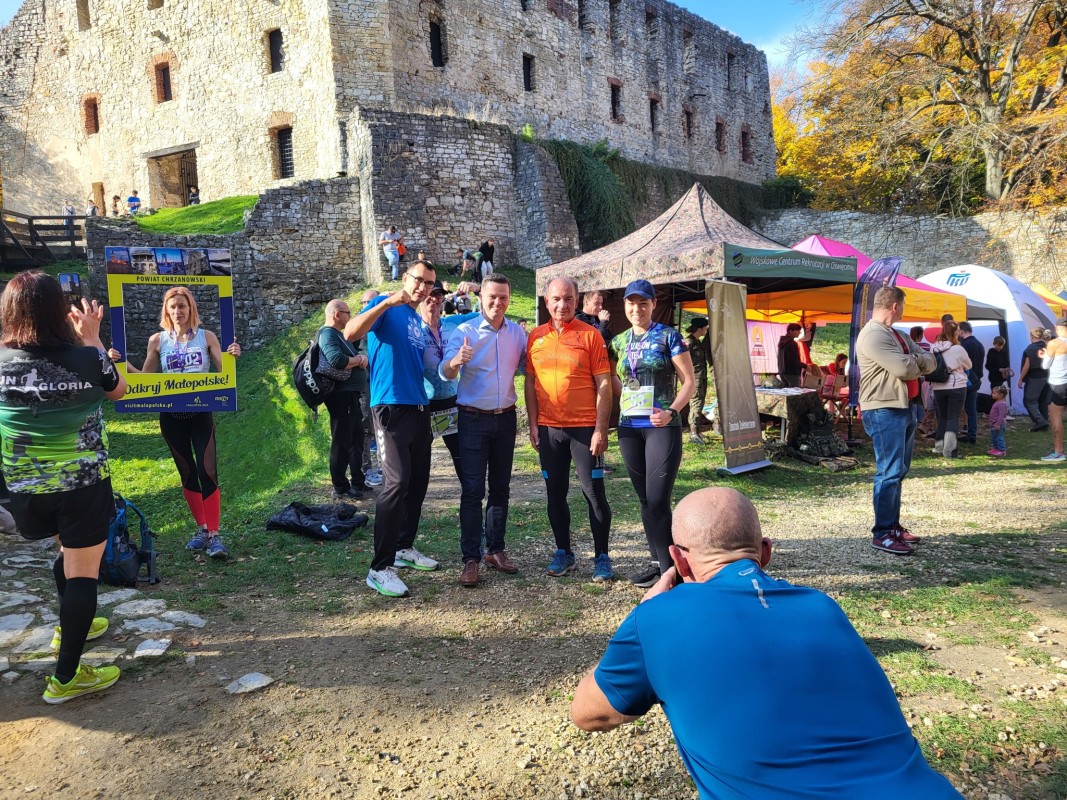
299 249
545 228
361 39
579 50
1031 246
444 182
225 99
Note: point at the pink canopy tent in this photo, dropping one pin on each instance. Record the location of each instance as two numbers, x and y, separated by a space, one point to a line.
932 301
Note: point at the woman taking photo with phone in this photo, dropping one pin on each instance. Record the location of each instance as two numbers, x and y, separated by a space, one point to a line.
54 375
184 347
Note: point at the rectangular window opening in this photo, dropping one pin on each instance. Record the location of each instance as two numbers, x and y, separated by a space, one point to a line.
731 82
527 72
275 44
164 91
687 123
584 21
746 147
616 103
283 138
84 21
614 25
437 44
720 137
653 114
92 117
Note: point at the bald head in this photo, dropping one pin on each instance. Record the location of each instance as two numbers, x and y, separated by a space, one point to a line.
717 523
368 295
337 314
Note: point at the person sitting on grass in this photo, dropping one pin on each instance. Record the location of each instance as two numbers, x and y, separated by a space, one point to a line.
770 691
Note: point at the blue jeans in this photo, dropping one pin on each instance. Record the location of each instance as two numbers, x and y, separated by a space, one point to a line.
970 405
393 257
996 439
892 431
486 447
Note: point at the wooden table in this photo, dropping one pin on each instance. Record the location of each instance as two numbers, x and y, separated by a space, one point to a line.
788 405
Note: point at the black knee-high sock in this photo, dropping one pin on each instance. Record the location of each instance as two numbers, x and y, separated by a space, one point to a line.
76 612
61 579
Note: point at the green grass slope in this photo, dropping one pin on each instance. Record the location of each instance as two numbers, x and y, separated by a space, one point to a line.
219 216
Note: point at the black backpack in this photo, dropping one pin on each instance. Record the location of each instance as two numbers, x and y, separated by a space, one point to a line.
941 372
122 560
312 386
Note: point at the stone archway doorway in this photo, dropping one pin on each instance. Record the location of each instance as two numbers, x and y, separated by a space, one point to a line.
171 174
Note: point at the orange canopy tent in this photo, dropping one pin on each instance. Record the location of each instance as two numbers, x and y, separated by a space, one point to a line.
1056 304
834 303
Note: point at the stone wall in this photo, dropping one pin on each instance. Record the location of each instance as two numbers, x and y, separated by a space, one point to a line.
301 246
1030 246
444 182
546 232
342 57
579 49
225 99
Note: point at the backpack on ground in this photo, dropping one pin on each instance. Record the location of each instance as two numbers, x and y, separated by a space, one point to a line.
941 372
123 558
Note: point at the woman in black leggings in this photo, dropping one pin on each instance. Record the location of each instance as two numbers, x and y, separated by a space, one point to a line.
649 360
184 347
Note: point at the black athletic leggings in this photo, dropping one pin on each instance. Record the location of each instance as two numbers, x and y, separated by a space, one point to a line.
191 439
558 447
652 457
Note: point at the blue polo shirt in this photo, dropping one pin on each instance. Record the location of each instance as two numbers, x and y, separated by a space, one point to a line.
394 347
770 692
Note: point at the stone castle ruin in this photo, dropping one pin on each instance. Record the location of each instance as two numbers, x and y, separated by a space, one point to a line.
412 103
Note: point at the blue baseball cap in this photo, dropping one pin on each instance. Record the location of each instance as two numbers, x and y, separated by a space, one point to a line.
641 288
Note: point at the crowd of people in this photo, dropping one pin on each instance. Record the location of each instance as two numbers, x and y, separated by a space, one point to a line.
422 375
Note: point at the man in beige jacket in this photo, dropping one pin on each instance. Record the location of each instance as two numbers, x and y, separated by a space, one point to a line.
890 365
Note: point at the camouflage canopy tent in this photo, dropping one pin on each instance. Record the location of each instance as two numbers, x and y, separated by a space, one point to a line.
685 247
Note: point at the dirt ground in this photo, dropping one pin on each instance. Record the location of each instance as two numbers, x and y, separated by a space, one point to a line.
457 693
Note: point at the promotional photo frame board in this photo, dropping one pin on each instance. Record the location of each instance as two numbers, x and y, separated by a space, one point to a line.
196 269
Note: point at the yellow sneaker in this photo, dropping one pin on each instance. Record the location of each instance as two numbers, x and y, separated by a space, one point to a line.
85 681
96 630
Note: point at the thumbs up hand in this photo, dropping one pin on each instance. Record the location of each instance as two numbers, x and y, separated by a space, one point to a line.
465 354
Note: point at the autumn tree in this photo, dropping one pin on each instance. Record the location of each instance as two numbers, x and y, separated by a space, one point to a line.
941 103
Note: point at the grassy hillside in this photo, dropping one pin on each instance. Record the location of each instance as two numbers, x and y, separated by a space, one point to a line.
219 216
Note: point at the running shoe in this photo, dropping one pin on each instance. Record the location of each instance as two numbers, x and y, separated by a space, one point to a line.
889 543
351 493
647 578
602 570
905 535
373 477
97 629
561 564
386 582
410 558
215 548
198 542
696 438
1054 457
998 453
85 681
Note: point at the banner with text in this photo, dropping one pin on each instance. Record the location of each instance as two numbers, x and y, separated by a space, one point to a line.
148 272
749 262
734 389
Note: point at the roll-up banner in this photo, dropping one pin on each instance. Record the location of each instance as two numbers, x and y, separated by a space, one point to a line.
736 393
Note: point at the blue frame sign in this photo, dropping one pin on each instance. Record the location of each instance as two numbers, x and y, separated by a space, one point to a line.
152 392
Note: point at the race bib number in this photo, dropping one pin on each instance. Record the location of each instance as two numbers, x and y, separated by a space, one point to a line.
187 361
445 422
636 402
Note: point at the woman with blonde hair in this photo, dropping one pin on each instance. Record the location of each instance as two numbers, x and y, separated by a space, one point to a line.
949 395
184 347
